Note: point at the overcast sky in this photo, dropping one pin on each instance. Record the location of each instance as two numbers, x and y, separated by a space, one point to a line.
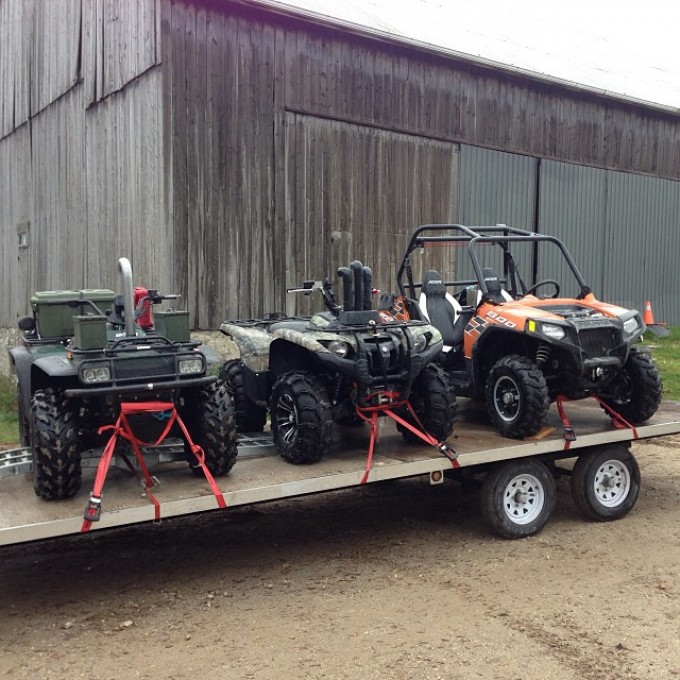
623 47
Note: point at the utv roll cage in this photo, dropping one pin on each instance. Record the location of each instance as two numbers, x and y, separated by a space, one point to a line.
500 234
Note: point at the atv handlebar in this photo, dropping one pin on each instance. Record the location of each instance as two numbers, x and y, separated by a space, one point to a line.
324 287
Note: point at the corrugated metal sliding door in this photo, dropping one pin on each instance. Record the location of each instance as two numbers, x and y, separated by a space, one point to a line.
641 248
572 206
497 188
357 192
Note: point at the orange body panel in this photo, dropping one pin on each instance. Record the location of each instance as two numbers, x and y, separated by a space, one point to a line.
515 314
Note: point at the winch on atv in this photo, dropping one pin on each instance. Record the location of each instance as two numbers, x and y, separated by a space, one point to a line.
309 372
517 345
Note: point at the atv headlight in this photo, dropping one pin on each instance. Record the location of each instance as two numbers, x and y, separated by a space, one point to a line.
190 366
420 343
630 326
552 331
339 348
96 374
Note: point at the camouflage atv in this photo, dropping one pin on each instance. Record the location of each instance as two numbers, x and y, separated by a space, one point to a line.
83 352
517 345
309 372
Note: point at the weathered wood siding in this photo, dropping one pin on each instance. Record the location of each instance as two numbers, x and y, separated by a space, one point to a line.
295 146
121 41
219 93
231 150
355 192
81 147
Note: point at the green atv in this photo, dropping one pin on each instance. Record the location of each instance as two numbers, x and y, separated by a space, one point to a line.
83 352
309 372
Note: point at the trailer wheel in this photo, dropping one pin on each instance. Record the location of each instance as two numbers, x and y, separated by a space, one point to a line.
517 396
636 391
249 416
212 426
434 401
301 417
57 471
517 498
605 483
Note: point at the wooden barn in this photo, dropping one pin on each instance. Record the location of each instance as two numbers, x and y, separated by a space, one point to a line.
232 148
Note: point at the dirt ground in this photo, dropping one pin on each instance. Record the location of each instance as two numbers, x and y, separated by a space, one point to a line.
397 581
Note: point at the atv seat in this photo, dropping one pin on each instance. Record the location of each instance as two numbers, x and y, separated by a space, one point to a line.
442 310
496 294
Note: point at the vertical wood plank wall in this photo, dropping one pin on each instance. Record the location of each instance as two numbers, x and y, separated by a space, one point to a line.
231 151
81 147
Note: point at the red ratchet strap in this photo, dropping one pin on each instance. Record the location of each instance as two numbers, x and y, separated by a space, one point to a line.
370 415
123 429
569 434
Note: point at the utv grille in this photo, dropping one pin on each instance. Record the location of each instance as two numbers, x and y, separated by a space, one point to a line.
598 342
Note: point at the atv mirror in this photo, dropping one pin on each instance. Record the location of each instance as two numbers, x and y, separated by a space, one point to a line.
26 324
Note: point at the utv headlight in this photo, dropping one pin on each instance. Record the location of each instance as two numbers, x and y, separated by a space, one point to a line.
190 366
96 374
339 348
552 331
630 326
420 343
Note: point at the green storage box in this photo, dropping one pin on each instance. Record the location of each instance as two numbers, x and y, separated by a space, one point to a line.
172 325
89 332
55 309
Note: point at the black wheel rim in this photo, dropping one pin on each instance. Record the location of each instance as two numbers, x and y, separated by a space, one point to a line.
506 398
619 392
286 419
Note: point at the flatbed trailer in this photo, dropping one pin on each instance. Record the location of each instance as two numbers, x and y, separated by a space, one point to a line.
518 492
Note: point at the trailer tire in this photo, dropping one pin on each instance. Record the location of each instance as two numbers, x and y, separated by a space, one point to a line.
301 417
433 399
517 498
635 394
249 416
605 483
517 396
57 471
212 426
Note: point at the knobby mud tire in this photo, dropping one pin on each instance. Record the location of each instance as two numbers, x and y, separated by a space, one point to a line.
211 424
249 416
433 399
525 382
301 417
635 394
57 471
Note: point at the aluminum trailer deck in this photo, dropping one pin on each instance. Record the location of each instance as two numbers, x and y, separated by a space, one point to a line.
260 475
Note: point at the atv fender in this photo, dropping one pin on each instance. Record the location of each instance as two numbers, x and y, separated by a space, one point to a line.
55 367
253 345
22 360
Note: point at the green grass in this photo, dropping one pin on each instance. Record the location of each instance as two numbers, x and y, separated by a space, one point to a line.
9 426
666 353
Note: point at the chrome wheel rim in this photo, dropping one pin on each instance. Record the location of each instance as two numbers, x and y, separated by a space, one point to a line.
286 419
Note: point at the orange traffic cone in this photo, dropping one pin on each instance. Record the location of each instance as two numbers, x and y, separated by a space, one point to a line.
648 317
